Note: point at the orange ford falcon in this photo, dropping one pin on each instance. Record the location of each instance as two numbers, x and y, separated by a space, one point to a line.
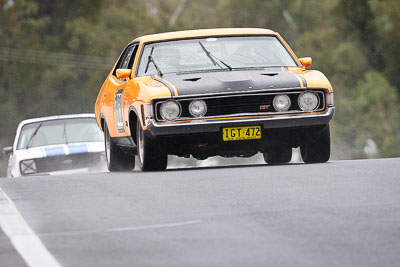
214 92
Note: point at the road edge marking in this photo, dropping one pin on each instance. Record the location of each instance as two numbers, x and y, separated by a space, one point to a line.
24 240
123 229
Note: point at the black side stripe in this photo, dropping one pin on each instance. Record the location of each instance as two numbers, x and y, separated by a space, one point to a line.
304 81
143 117
164 83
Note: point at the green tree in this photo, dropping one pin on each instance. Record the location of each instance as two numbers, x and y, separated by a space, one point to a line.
375 25
371 112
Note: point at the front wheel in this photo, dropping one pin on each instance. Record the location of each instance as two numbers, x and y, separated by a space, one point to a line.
152 156
116 159
317 147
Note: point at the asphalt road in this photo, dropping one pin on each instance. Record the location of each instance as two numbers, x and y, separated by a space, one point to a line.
343 213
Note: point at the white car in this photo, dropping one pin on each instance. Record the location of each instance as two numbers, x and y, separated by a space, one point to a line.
56 144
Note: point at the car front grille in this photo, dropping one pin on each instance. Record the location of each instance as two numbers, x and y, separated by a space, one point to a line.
241 105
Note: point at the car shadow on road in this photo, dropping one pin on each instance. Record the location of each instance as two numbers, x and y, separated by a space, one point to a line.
232 166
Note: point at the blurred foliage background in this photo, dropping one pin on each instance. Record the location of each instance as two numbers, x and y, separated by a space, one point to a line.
54 55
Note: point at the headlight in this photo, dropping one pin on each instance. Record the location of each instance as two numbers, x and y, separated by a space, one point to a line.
198 108
281 103
28 166
308 101
170 110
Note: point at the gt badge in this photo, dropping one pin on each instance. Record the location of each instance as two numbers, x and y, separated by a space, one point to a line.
264 107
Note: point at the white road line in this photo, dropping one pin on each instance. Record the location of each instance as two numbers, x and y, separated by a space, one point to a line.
121 229
22 237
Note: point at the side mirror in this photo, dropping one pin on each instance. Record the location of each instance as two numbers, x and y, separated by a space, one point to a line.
123 73
7 150
306 61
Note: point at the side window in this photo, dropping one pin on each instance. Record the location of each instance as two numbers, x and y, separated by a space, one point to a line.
132 57
127 59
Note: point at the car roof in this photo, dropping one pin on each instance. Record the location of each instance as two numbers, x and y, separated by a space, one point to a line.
202 33
57 117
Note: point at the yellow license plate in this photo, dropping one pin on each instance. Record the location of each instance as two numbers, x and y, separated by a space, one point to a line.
241 133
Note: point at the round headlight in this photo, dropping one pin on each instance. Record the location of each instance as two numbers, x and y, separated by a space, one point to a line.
198 108
308 101
281 103
170 110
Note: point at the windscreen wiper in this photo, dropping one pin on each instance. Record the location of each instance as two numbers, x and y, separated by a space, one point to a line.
151 59
33 135
211 56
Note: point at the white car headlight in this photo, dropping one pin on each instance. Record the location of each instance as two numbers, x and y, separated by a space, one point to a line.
281 103
170 110
308 101
27 166
198 108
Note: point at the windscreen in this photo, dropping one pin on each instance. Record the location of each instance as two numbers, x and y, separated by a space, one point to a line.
201 54
61 131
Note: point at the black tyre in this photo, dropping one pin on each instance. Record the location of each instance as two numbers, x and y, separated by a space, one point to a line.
152 156
317 147
116 159
278 156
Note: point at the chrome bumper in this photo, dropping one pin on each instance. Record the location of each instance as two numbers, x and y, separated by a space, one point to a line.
281 121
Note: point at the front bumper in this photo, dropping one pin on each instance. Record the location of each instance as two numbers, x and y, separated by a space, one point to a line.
208 126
